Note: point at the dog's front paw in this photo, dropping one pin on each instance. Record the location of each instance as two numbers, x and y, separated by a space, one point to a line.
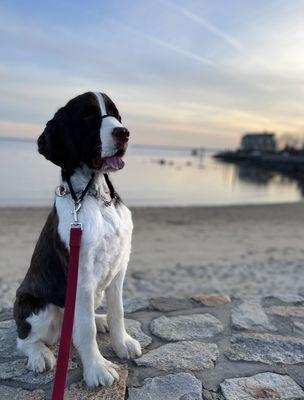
100 372
127 347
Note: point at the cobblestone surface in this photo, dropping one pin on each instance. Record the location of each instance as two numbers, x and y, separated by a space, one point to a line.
250 315
267 348
11 393
170 387
186 327
287 311
207 347
187 355
261 386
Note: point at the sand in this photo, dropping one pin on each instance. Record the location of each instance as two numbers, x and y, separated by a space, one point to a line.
231 249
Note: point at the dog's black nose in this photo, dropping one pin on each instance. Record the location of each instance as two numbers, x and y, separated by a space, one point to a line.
121 134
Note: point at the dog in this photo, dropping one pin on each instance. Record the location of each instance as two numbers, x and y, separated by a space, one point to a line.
87 140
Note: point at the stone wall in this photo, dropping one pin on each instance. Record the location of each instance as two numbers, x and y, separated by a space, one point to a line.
205 347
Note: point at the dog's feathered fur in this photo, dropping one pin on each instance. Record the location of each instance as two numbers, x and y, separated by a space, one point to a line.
77 139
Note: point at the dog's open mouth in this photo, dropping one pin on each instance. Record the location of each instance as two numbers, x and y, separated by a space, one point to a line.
113 163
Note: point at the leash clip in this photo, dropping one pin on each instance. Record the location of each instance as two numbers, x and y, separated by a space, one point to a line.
77 207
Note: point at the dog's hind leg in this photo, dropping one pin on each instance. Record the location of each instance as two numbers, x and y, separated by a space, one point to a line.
100 319
39 355
45 328
101 323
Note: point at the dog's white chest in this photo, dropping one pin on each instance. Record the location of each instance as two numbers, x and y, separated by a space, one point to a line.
106 238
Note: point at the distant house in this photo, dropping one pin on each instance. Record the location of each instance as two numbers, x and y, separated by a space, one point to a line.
263 141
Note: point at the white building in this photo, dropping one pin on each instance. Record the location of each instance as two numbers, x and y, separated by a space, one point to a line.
264 141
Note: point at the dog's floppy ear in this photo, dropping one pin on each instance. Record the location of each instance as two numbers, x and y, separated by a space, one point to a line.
57 144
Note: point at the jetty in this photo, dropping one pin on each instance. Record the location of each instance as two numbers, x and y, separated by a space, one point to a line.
260 150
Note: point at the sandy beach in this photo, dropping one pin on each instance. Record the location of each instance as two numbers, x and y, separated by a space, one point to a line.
232 249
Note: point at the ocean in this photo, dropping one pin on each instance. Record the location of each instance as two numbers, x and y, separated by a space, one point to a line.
151 177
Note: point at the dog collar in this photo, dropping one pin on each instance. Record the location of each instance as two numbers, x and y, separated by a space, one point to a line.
64 190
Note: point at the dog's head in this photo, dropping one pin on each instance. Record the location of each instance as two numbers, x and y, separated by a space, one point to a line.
87 130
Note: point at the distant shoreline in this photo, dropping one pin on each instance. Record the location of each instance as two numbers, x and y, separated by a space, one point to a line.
132 145
16 139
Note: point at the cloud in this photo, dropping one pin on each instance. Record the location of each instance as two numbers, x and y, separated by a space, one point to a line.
176 76
229 39
18 129
167 45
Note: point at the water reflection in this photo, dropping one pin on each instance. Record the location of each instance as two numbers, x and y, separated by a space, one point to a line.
151 177
258 176
254 175
300 184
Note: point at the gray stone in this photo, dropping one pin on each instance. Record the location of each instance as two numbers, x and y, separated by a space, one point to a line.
17 371
250 315
208 395
8 337
288 298
12 369
36 378
262 386
186 327
211 300
134 329
6 313
167 304
136 304
286 311
188 355
12 393
266 348
298 328
180 386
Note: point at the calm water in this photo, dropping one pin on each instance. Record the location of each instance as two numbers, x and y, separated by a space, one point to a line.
28 179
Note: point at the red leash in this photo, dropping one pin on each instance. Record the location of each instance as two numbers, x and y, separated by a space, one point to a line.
69 311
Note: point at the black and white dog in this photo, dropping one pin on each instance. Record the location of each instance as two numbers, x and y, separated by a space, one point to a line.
84 137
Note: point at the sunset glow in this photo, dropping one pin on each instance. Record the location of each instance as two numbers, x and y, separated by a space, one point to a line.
195 73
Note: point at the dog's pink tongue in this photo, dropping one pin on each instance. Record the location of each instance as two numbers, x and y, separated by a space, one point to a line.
114 163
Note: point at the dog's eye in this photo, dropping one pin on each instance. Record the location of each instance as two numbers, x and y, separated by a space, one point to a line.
89 112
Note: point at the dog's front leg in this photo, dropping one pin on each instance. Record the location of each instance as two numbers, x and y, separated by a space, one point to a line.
96 369
123 344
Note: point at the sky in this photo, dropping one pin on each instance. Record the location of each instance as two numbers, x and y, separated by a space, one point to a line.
182 73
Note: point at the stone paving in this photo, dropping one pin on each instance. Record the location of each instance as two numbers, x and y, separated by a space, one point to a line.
200 348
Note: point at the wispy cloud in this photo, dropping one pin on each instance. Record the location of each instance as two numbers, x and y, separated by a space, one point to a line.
20 129
230 40
225 37
178 74
159 42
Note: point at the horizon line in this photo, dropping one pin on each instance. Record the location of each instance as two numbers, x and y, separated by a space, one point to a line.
138 145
